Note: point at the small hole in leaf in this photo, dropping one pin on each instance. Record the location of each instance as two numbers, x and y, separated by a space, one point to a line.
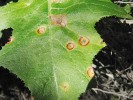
4 2
5 37
11 87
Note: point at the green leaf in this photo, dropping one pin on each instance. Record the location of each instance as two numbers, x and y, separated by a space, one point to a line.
50 50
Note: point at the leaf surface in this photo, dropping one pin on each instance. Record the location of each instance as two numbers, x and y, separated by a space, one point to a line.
54 42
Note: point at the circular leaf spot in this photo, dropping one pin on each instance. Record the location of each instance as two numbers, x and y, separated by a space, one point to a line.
70 46
90 72
64 86
84 41
41 30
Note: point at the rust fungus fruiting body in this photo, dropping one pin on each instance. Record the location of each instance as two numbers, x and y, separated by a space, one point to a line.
10 40
41 30
90 72
70 46
58 20
84 41
64 86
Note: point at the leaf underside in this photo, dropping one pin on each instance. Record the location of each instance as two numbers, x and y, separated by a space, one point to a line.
39 54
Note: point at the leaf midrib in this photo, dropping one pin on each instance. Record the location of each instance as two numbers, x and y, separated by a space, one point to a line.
51 46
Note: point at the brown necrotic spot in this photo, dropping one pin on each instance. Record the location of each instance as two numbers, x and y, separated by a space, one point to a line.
70 46
10 40
64 86
90 72
58 20
84 41
41 30
5 37
4 2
